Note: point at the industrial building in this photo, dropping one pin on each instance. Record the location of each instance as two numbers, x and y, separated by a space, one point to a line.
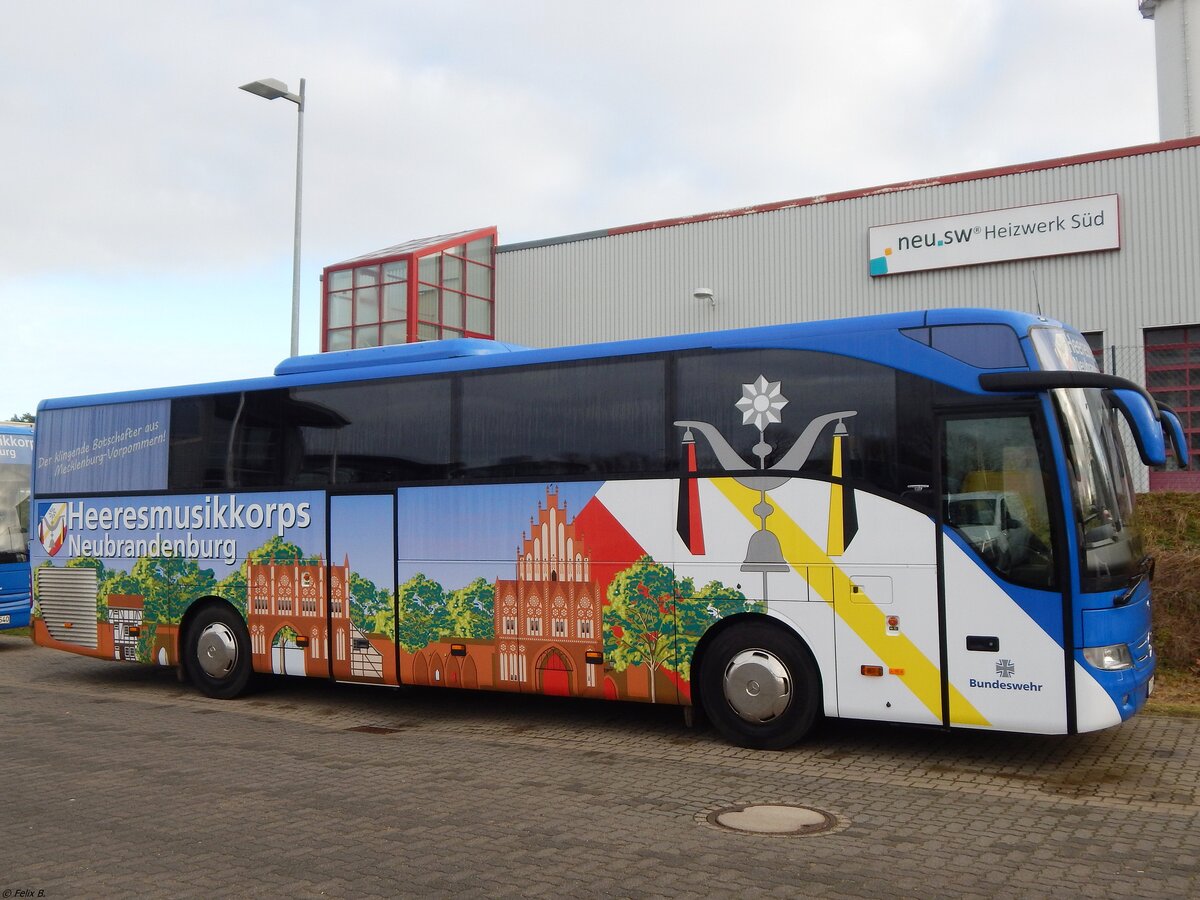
1106 241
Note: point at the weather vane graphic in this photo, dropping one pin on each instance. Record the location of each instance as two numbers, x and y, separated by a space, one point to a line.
761 406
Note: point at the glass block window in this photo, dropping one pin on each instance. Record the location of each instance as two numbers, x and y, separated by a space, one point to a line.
1173 374
427 290
363 303
341 309
339 339
395 302
455 291
395 332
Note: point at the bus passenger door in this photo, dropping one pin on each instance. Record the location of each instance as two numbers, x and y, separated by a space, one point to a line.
361 588
1004 620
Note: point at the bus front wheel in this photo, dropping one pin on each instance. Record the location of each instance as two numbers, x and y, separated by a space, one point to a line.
217 652
760 687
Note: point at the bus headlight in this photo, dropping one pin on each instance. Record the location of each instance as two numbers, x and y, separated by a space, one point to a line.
1114 656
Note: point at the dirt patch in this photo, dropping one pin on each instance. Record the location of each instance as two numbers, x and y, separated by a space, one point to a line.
1176 693
1171 522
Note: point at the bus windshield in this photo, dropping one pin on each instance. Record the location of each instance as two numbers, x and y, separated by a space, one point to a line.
1109 537
14 512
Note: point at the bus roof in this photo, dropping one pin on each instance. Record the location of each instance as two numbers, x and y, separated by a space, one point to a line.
887 339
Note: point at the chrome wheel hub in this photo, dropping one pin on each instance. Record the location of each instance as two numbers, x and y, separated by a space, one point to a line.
217 650
757 685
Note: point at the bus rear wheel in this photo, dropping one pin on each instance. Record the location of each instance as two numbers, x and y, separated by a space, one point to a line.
217 652
759 687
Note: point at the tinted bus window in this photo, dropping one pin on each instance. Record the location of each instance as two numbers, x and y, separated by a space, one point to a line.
801 387
235 440
14 511
376 432
199 444
890 437
994 480
590 418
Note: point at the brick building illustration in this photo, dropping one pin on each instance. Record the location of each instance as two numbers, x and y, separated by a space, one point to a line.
547 622
548 619
295 610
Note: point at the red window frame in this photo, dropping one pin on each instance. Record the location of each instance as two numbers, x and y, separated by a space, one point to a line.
1095 340
414 324
1176 349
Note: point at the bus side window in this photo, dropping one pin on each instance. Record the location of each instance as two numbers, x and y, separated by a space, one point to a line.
994 495
588 418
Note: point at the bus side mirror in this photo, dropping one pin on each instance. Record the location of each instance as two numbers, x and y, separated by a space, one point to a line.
1144 423
1173 429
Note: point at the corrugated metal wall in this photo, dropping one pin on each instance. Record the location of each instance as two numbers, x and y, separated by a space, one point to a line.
810 262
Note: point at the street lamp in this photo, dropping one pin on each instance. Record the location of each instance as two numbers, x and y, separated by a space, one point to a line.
273 89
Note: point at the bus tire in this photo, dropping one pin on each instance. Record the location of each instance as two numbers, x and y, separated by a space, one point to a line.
759 686
217 652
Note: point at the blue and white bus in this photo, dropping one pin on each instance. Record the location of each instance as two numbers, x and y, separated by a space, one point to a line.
16 458
923 518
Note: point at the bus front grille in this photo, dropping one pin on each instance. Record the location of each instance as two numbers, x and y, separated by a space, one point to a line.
67 600
1143 649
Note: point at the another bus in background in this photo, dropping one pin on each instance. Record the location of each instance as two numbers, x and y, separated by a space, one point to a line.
16 461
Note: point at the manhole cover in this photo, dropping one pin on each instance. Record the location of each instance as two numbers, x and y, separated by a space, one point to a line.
772 819
373 729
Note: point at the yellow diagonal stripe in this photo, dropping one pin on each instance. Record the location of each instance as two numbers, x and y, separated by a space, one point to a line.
866 620
836 545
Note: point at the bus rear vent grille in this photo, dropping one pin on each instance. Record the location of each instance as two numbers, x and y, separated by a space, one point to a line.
67 599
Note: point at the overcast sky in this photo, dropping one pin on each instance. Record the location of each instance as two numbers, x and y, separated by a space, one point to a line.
146 204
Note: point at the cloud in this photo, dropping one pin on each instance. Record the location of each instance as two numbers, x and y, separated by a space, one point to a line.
134 165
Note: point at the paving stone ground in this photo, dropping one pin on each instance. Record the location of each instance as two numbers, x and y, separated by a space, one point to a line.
120 781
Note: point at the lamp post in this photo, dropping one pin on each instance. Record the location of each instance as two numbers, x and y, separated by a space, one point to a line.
272 89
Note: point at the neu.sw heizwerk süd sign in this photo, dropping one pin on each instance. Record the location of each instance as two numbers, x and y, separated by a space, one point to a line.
1023 232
